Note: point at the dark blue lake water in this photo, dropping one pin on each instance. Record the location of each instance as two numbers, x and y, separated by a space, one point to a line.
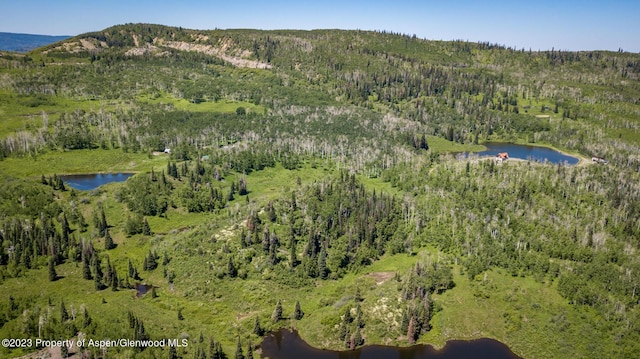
533 153
88 182
284 344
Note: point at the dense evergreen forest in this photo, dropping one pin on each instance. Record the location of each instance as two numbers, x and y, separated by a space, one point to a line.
321 168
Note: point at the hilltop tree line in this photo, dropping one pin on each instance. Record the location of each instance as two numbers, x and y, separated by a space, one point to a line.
443 89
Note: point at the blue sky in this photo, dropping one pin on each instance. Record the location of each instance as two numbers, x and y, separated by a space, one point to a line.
539 25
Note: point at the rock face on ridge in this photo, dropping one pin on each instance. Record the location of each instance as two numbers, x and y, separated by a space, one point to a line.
154 40
238 61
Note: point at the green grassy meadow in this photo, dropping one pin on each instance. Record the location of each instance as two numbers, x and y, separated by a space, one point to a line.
223 106
81 161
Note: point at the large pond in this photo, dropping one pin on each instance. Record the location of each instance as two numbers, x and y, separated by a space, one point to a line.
88 182
284 344
533 153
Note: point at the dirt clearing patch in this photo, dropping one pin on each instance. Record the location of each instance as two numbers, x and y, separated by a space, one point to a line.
381 277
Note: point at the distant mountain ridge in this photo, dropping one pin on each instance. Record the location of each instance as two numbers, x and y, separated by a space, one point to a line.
26 42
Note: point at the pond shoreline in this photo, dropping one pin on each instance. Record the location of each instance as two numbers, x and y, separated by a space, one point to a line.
91 181
287 343
530 152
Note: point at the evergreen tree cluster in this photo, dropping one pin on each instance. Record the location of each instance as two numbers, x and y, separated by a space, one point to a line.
54 182
137 327
23 242
147 195
342 227
150 261
417 288
277 316
349 330
49 320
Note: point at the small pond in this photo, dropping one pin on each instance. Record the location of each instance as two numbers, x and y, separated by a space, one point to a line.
284 344
88 182
533 153
142 289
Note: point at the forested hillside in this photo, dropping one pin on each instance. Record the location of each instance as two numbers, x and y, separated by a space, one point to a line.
321 168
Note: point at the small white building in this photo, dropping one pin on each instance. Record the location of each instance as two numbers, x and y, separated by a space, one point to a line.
599 160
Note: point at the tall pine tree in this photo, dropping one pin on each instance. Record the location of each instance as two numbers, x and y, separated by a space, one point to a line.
257 329
277 312
102 223
108 241
239 353
297 312
52 270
